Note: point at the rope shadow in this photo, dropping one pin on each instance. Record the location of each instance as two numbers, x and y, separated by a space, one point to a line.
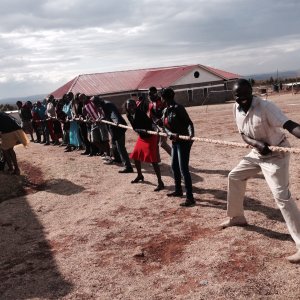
250 204
167 171
269 233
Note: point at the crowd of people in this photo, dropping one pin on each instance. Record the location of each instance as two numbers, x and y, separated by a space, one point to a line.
76 122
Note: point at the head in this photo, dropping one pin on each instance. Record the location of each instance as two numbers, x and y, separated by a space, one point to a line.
82 98
38 103
167 95
152 93
97 101
29 104
50 99
19 104
242 92
134 96
70 96
130 106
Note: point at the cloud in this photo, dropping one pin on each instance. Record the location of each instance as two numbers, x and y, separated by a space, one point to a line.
56 40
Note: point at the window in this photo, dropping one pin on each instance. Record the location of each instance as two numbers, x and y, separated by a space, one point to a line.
196 74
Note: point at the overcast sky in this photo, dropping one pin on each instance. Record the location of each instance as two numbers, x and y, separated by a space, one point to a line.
44 43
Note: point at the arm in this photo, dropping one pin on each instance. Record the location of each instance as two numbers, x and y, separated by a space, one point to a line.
261 147
186 120
293 128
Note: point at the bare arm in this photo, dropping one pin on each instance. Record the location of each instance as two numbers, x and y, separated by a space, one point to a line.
261 147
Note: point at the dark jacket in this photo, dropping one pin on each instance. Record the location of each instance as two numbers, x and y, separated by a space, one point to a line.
140 120
176 120
7 123
112 114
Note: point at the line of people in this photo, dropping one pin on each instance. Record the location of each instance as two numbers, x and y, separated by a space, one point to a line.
75 122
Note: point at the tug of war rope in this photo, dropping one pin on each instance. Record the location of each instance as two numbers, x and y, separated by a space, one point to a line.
183 137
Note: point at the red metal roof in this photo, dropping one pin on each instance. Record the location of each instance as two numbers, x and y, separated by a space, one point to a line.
225 75
132 80
164 77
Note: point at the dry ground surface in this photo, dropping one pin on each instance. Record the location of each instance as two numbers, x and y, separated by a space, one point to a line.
73 228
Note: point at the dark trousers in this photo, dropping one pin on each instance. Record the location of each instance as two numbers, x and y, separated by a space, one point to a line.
180 166
121 152
83 131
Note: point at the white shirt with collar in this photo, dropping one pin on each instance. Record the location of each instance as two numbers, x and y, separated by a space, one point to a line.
262 122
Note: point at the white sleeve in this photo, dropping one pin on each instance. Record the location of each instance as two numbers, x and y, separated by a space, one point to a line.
274 115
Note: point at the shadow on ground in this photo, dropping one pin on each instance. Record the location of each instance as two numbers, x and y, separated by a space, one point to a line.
27 266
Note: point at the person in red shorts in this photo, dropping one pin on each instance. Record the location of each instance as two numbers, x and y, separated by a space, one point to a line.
146 147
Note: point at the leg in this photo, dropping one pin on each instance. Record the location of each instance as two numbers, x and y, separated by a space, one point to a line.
164 144
8 160
140 176
176 172
237 181
184 149
160 184
120 143
115 152
138 166
276 172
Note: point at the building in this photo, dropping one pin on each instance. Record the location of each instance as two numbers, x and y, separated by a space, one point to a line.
193 84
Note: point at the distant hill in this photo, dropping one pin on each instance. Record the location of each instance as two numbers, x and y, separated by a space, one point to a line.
281 74
13 100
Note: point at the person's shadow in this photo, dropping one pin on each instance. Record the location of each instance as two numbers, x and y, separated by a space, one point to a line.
27 266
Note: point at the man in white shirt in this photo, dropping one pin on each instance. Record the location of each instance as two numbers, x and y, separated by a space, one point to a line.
259 122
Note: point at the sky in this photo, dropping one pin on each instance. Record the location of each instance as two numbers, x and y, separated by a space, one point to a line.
44 44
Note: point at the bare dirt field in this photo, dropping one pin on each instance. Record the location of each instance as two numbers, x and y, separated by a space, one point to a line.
74 228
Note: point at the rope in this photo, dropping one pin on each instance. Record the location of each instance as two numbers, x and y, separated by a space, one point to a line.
187 138
205 140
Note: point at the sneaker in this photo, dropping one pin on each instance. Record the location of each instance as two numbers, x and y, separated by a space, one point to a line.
234 221
295 258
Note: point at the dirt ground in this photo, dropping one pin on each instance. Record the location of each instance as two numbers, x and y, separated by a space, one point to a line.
74 228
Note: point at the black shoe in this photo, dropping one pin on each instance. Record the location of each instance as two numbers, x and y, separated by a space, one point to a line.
126 170
188 203
175 194
137 179
47 144
159 187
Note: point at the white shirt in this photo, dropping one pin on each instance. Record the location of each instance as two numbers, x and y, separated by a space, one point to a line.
262 122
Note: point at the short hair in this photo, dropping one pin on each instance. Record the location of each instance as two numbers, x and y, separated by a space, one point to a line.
167 93
244 82
153 89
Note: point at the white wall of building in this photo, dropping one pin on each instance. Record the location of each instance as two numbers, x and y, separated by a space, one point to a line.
204 76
